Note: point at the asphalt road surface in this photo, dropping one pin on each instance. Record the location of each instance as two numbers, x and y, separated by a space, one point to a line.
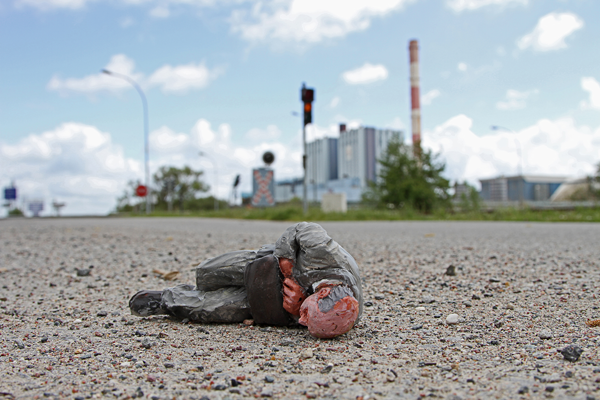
521 293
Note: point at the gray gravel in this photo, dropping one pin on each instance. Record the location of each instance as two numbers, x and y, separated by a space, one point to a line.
521 293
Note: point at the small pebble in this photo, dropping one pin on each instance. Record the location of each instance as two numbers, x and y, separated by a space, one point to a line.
451 270
308 353
545 334
452 319
572 353
327 369
84 272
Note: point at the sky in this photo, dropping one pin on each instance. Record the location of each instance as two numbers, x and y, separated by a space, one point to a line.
223 77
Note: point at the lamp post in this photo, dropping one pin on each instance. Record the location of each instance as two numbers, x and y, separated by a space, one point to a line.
520 154
203 154
145 106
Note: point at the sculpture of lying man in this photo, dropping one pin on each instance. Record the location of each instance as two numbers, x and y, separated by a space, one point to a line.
305 277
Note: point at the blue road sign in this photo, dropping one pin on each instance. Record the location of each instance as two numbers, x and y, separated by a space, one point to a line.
36 207
264 187
10 193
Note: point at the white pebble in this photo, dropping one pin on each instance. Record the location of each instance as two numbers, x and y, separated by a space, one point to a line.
452 319
420 308
545 334
308 353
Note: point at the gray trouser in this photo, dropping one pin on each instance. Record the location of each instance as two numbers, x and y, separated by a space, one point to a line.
219 295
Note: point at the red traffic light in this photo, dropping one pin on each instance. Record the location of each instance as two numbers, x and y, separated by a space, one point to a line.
308 95
141 191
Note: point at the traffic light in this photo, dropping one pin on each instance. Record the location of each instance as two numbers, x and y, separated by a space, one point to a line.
307 96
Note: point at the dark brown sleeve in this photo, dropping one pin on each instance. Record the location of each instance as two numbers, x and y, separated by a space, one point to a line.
262 279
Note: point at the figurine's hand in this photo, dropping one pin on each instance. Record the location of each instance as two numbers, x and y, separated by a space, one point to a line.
286 266
330 312
293 296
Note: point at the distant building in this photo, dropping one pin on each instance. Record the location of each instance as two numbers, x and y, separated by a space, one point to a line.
520 188
359 149
288 189
322 160
340 165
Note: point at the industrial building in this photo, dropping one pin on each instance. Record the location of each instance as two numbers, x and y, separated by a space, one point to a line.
322 161
340 165
359 151
520 188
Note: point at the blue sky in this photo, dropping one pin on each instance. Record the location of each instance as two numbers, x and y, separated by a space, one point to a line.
223 77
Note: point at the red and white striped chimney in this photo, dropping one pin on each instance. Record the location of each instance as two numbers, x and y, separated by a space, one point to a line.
415 106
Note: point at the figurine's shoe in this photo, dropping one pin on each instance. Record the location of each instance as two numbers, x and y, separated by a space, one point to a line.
147 302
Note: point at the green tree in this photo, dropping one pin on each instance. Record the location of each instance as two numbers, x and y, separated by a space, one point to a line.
470 201
594 183
406 182
128 201
183 184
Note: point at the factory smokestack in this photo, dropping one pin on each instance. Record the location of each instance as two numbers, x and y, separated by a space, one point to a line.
415 113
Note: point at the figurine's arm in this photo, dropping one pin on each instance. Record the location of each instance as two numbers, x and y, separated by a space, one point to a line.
293 294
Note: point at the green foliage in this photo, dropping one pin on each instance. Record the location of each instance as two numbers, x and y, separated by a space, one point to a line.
128 202
285 212
203 204
406 183
470 201
595 183
15 212
181 186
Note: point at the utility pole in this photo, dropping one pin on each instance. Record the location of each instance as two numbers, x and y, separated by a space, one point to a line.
307 96
146 144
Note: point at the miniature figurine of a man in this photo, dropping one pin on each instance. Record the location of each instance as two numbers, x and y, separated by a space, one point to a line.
305 277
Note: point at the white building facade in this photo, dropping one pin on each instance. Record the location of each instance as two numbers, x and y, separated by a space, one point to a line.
341 165
359 151
322 160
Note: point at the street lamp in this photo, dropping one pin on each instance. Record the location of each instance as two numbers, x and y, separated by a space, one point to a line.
145 106
203 154
520 154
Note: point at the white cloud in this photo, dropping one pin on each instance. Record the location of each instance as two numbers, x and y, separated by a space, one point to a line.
428 97
592 86
74 162
515 99
172 148
469 5
550 147
80 165
160 12
368 73
334 102
50 4
314 132
127 22
271 133
462 67
181 78
99 82
308 21
551 31
170 79
396 124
